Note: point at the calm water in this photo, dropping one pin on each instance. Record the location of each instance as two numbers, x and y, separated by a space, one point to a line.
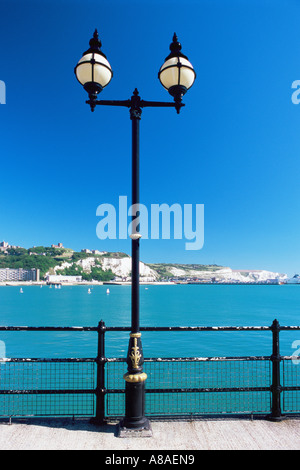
184 305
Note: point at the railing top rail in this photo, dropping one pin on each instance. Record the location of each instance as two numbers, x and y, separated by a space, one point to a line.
145 328
289 327
192 328
48 328
5 360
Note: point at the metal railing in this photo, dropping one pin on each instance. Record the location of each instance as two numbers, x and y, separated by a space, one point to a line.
185 387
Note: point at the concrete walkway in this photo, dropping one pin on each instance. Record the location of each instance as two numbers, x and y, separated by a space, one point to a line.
217 434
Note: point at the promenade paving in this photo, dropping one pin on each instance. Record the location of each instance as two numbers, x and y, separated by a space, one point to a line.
208 434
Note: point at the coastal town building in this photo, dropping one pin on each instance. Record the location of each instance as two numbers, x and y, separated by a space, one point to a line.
57 278
20 274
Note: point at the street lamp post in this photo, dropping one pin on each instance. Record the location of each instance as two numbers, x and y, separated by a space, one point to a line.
176 75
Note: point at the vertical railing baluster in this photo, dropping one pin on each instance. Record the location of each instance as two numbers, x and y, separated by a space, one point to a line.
276 388
100 386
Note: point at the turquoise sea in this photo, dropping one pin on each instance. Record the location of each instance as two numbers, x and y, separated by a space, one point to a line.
161 305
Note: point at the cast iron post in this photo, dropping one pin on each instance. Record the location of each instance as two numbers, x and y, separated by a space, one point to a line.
100 386
276 386
135 377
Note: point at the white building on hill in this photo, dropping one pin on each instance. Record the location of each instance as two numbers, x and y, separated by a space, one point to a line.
57 278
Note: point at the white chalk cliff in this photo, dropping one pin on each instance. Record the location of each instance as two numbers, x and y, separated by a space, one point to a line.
121 267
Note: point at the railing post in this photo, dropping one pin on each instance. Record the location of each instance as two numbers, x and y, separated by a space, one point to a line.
276 388
100 386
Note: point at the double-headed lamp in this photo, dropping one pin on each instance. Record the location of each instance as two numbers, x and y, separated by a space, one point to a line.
177 74
93 70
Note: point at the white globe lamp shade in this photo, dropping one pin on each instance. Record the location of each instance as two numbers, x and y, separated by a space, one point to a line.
177 74
93 70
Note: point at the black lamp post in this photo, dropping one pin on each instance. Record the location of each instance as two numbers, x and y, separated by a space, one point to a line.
176 75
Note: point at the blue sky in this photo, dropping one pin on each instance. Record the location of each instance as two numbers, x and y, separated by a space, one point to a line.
235 147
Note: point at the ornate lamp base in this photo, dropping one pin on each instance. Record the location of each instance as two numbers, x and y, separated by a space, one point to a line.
135 423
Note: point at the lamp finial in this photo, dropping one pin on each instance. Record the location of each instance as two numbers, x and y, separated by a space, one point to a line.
175 46
95 42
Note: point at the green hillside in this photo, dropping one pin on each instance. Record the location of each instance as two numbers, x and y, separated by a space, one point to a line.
45 258
164 269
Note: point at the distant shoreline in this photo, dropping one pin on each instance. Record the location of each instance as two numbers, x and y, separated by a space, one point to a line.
142 283
82 283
